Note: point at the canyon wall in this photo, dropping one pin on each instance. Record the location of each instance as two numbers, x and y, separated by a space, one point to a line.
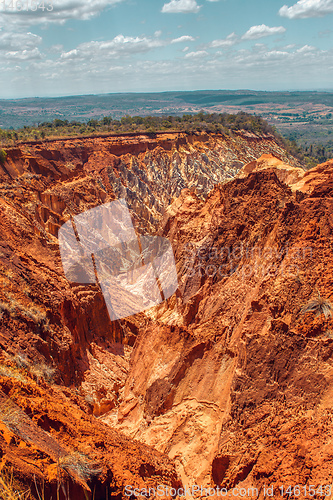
231 378
228 382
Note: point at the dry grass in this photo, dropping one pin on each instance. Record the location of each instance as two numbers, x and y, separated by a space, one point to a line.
14 418
37 316
21 361
43 371
7 308
39 371
15 308
10 489
11 416
8 371
78 464
4 271
319 306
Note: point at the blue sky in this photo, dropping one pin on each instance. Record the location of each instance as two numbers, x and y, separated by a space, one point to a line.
68 47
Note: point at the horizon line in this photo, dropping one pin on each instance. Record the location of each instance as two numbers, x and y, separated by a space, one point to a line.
64 96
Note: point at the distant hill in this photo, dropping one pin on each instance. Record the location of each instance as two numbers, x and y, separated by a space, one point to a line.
305 117
19 112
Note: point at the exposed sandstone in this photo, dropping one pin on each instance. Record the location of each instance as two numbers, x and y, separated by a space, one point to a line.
227 380
232 358
316 177
284 171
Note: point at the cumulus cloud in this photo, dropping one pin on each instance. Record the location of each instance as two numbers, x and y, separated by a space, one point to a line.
23 55
306 48
16 47
258 66
275 54
225 42
62 11
261 31
16 41
197 54
184 38
119 46
181 7
307 8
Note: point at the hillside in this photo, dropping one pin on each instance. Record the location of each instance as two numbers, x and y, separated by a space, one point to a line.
228 382
19 112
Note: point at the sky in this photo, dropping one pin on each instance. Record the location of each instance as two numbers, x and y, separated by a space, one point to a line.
72 47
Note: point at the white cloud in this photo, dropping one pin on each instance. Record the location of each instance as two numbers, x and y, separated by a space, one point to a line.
199 53
17 41
261 31
276 54
306 48
55 49
181 7
226 42
63 10
256 67
16 47
184 38
23 55
120 46
307 8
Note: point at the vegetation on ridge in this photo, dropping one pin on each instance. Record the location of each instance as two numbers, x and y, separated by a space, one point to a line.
187 123
223 123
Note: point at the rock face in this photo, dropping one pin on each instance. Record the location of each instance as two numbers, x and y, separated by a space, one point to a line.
231 376
229 382
316 177
284 171
149 172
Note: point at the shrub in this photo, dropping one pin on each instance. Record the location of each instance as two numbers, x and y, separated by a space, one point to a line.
78 464
318 305
3 156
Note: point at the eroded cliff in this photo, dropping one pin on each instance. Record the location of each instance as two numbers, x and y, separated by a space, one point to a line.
226 383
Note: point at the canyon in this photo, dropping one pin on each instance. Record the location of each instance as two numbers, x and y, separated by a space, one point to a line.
227 383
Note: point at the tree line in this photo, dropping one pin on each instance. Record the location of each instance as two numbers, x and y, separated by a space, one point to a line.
222 123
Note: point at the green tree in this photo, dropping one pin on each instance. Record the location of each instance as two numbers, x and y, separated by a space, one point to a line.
3 156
